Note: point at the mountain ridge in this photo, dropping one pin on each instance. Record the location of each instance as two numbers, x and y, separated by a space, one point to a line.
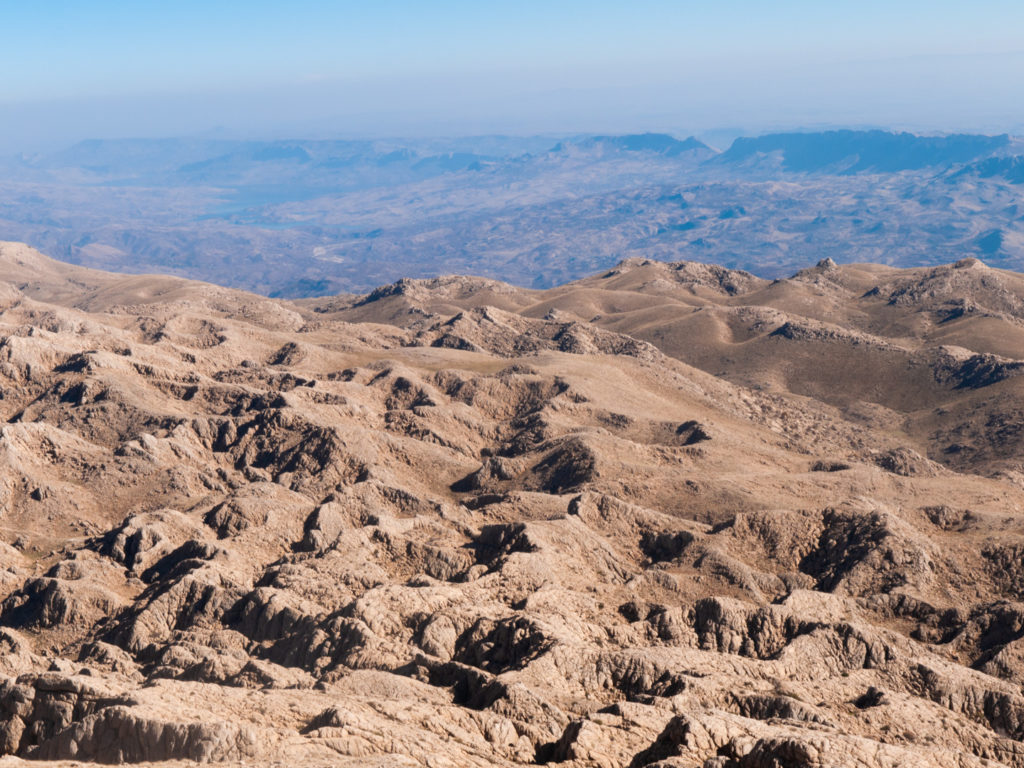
771 522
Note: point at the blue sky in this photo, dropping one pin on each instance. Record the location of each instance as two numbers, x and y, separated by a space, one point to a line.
394 66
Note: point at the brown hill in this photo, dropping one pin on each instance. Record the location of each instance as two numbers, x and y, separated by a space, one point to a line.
670 515
930 355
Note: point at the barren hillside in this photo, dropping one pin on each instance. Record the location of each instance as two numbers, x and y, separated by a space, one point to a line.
669 515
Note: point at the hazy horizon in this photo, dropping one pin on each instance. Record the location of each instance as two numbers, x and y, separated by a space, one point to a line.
338 70
462 101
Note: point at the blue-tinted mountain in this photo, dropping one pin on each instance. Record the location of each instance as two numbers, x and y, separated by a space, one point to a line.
1009 168
654 143
134 157
313 164
857 151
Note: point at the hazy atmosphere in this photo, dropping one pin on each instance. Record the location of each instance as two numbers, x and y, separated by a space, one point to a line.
73 70
335 147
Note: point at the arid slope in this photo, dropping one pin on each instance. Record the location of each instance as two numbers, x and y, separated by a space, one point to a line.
670 515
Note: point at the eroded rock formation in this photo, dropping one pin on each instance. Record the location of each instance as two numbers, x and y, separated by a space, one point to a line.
235 529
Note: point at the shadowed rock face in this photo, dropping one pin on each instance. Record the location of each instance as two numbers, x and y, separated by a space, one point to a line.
626 522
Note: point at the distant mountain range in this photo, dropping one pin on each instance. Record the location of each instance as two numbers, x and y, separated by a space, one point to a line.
657 143
301 217
864 151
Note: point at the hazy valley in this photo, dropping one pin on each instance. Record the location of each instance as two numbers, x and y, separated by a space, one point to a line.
305 218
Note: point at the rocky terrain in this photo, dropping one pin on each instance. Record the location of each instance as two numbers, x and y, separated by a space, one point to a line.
668 515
